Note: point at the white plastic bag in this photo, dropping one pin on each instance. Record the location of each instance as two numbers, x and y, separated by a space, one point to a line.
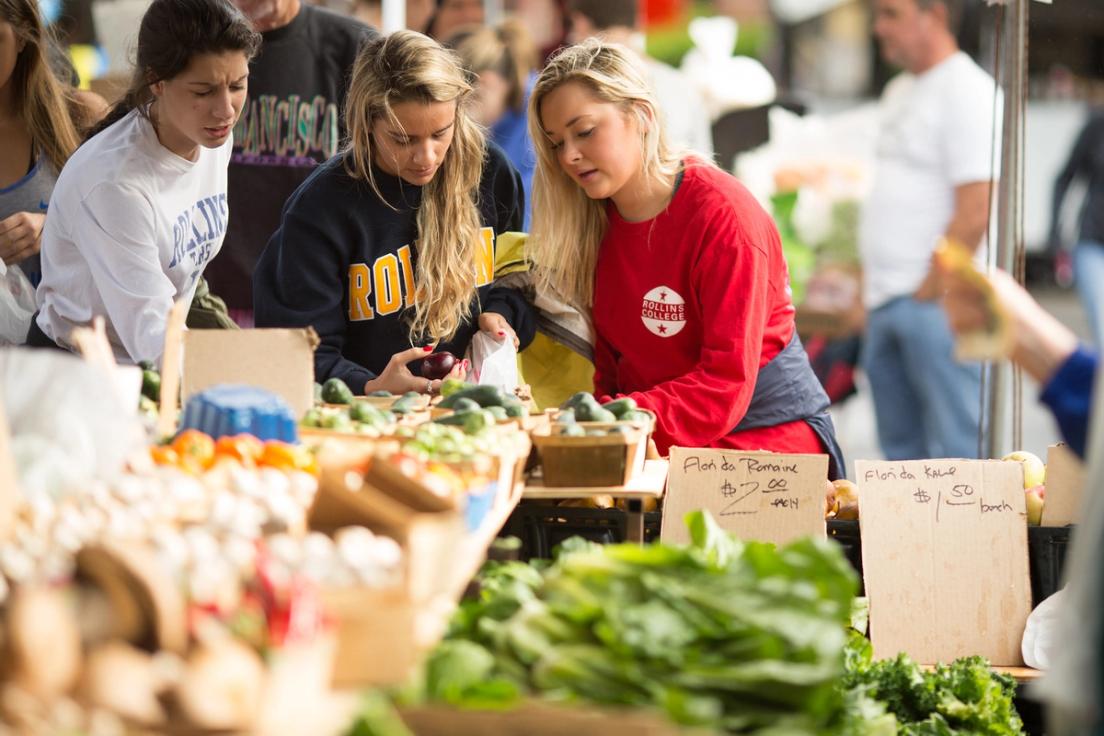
1043 633
65 428
17 305
494 363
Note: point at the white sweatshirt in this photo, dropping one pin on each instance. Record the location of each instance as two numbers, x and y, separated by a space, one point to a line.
131 227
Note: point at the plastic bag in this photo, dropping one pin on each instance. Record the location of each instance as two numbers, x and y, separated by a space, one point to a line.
726 82
1043 633
65 428
17 305
494 363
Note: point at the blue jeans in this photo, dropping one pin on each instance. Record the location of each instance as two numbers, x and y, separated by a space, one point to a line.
1088 274
927 404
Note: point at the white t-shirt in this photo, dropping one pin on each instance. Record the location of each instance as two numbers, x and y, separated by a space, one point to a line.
683 109
939 130
131 228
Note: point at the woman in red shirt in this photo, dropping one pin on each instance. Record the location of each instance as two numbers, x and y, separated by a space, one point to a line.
680 267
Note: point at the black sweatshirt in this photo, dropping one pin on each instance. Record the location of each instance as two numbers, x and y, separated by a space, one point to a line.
292 122
1086 162
342 262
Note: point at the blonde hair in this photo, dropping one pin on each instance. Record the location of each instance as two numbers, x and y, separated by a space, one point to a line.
407 66
506 49
568 226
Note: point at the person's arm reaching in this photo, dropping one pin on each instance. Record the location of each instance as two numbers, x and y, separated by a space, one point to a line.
1045 348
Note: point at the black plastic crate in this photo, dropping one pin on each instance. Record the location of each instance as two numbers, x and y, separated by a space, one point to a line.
541 527
1046 553
846 534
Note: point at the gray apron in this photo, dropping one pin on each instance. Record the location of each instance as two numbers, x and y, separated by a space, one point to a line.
787 390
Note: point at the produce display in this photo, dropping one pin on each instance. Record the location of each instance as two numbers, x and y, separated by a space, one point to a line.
585 408
718 633
171 593
898 696
465 397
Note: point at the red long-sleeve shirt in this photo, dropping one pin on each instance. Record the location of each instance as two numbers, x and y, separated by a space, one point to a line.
688 307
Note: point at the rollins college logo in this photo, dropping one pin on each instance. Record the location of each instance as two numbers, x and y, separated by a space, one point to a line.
664 312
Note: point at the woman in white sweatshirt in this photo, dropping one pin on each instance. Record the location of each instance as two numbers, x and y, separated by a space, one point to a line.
140 208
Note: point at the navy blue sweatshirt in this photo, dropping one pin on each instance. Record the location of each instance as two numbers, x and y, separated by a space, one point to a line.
343 262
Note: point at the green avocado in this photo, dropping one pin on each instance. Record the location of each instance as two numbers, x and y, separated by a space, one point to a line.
335 391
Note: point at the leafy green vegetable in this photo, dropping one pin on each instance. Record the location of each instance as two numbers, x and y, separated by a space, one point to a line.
742 637
377 717
965 696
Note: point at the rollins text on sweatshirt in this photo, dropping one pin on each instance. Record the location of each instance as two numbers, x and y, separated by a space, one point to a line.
343 262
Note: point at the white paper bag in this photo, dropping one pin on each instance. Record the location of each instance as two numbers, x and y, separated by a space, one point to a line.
494 363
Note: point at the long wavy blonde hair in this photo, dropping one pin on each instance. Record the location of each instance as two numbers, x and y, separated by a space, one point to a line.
407 66
568 226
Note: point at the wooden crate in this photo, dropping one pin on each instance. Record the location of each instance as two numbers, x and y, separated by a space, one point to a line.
583 462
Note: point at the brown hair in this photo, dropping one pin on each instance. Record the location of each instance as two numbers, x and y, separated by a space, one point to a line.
606 14
171 33
46 106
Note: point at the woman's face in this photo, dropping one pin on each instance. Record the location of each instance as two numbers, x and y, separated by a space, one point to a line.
414 144
596 143
489 100
199 106
10 46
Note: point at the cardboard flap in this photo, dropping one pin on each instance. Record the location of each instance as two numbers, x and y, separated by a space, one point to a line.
1065 485
281 361
170 368
763 496
944 548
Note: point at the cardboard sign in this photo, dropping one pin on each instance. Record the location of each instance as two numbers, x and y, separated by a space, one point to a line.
170 368
763 496
281 361
1065 484
944 548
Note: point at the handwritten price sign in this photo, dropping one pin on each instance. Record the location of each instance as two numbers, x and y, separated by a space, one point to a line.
755 495
944 546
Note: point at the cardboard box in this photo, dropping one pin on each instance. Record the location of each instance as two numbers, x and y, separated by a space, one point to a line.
383 634
281 361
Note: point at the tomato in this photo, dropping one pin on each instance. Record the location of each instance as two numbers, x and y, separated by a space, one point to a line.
164 455
196 449
244 447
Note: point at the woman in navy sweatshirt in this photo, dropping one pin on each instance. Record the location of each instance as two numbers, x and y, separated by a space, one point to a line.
388 248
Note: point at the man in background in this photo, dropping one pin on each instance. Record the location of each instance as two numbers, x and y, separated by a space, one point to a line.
292 121
932 181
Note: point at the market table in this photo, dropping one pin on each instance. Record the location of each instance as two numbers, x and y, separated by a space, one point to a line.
648 484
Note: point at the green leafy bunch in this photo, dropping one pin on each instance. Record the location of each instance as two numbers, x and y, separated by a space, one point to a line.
746 638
